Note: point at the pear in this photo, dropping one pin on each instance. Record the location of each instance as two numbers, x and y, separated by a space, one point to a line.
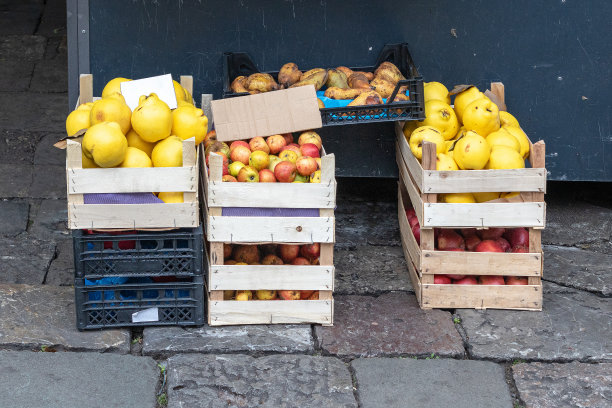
336 78
261 82
316 78
383 87
111 108
359 81
310 72
289 74
338 93
152 119
347 71
237 85
389 72
367 98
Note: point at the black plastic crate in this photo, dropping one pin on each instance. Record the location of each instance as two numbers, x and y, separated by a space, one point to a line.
179 303
239 63
138 253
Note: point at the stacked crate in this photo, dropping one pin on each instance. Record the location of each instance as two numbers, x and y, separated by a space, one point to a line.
223 228
135 264
420 183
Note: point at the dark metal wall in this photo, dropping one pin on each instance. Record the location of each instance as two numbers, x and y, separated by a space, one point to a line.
553 56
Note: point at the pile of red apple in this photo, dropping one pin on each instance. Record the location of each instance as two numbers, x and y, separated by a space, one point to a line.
476 240
273 159
271 254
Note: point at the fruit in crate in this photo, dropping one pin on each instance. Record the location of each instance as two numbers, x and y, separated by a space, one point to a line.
218 147
311 251
505 245
266 176
488 246
442 280
517 237
482 117
105 144
188 122
490 233
467 280
274 160
227 251
288 155
309 150
289 252
248 174
111 108
425 134
243 295
458 198
88 163
171 197
305 166
503 157
518 133
437 91
310 137
168 152
136 141
315 177
152 119
259 143
235 167
271 259
484 197
300 261
259 160
241 154
471 151
449 239
492 280
136 158
285 171
276 143
78 119
289 294
229 178
441 116
464 98
246 253
507 119
445 162
502 137
264 294
516 280
289 74
113 86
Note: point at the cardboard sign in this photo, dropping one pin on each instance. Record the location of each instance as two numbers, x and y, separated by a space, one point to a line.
160 85
266 114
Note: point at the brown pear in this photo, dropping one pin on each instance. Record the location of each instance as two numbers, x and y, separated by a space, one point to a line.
359 81
347 71
310 72
382 86
388 72
369 75
336 79
261 82
289 74
338 93
237 85
367 98
317 79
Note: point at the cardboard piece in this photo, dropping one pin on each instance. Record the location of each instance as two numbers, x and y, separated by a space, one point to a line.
266 114
160 85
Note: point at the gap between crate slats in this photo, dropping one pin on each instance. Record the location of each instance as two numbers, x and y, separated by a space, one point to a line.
270 312
272 277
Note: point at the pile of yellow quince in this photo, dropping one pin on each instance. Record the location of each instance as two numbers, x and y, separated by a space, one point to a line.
150 136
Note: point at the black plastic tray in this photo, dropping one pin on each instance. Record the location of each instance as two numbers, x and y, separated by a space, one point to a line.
239 63
138 253
103 306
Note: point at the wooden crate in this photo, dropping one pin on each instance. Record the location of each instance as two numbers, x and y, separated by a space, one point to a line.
130 180
273 277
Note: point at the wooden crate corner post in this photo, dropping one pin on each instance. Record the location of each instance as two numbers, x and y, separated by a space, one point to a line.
427 235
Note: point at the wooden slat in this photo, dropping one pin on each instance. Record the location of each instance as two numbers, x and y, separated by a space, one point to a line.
475 181
272 277
190 161
133 180
413 193
183 215
410 244
272 195
522 297
85 88
458 215
186 82
74 163
481 263
269 312
427 239
414 277
271 229
412 164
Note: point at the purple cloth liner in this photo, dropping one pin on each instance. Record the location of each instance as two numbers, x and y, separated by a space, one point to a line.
121 198
270 212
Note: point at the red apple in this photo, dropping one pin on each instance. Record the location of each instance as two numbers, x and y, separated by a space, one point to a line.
468 232
410 213
300 261
311 251
306 166
285 172
416 231
246 253
227 251
456 277
288 137
471 241
225 161
310 137
516 280
289 294
248 174
276 143
492 280
305 294
241 154
310 150
488 246
289 252
314 296
413 221
236 143
503 244
293 147
271 259
517 237
490 233
520 249
266 176
229 178
468 280
442 280
259 143
448 239
217 147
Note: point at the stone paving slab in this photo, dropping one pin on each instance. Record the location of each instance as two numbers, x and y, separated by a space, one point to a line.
578 224
47 154
77 380
578 269
161 342
50 221
48 182
16 22
16 180
394 382
574 384
50 75
369 270
17 147
42 112
361 222
573 325
53 20
391 324
25 259
196 380
61 270
22 47
15 75
36 316
13 217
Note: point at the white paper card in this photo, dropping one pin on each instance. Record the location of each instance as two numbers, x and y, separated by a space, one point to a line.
146 315
160 85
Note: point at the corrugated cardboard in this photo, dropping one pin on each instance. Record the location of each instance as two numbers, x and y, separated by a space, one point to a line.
265 114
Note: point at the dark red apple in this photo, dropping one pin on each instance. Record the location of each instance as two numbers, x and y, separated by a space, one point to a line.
488 246
289 252
456 277
517 237
288 137
490 233
516 280
468 232
300 261
413 221
246 253
468 280
309 150
492 280
442 280
416 231
448 239
289 294
505 245
227 251
471 241
271 259
520 249
305 294
285 172
311 251
410 213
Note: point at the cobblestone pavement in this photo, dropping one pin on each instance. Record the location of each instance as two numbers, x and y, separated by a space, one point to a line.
383 349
